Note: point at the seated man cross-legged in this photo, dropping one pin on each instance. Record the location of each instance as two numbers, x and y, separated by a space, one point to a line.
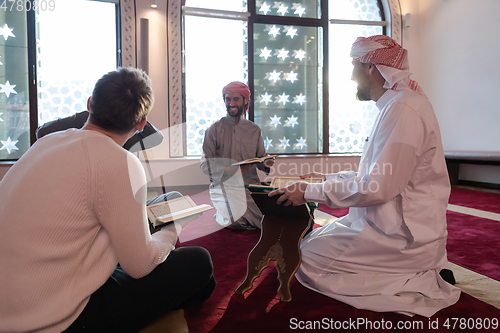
234 139
73 208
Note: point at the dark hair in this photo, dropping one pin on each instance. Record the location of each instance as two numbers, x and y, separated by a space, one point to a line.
121 99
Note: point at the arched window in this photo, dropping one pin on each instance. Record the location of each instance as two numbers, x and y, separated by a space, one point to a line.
294 55
50 59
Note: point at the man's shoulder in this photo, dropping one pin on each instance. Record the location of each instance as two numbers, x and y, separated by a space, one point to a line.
217 123
76 120
410 98
413 103
250 125
248 122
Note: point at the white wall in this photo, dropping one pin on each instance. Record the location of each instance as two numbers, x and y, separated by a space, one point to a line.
454 50
158 65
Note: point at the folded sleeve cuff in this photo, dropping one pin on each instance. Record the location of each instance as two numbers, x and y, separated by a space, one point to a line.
314 193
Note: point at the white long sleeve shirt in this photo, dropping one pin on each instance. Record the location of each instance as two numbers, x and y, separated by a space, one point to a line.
386 254
68 216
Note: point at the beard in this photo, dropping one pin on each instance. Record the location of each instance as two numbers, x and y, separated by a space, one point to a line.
238 114
362 95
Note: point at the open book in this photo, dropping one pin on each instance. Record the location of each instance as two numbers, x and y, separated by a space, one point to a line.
280 182
269 206
255 160
171 210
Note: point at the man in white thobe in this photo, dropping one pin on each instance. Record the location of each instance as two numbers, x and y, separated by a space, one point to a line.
233 139
387 253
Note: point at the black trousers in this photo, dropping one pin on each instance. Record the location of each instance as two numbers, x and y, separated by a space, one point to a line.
125 304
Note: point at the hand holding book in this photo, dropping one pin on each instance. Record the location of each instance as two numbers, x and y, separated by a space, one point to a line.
313 175
254 160
292 194
177 210
287 185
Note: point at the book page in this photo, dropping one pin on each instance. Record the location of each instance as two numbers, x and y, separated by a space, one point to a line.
254 160
280 182
171 210
249 161
169 207
181 214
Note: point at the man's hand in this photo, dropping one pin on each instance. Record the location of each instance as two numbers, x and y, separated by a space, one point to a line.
292 194
181 223
245 167
269 163
313 175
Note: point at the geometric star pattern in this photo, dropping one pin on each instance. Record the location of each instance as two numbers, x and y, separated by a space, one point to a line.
299 99
284 142
275 121
268 142
292 121
301 142
283 77
265 8
9 145
266 98
299 54
6 32
282 99
7 88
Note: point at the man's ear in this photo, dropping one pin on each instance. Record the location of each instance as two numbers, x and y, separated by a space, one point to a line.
88 103
140 126
369 68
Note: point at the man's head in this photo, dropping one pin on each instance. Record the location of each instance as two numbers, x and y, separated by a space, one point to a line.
121 99
389 58
236 95
362 74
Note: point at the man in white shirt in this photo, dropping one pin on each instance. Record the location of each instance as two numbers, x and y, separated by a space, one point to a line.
73 207
388 252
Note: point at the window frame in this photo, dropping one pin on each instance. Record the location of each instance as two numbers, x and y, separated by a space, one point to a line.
322 22
392 27
32 69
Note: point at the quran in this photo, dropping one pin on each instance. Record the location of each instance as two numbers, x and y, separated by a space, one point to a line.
171 210
255 160
280 182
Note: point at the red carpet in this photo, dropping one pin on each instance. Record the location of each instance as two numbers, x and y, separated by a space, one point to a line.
489 202
473 243
261 310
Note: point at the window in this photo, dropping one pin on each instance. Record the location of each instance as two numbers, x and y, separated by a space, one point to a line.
216 44
288 75
14 84
45 54
350 121
294 55
68 71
